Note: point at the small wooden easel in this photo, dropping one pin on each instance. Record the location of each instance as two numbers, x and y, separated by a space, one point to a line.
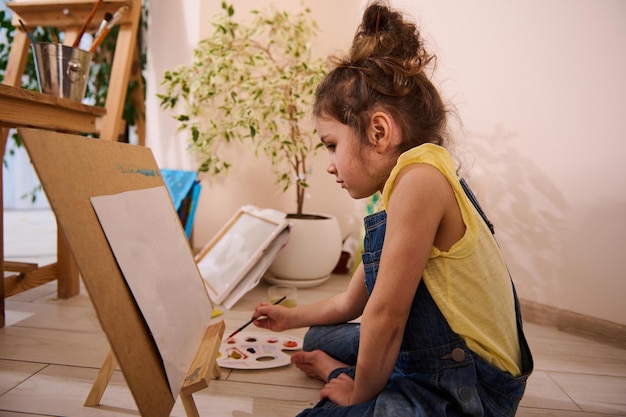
203 368
105 168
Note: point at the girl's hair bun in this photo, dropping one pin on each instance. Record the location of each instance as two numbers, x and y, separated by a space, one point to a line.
385 33
387 44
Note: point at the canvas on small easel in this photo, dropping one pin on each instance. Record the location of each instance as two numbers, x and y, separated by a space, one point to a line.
143 232
73 170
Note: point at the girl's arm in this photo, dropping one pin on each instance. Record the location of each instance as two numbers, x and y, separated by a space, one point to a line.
339 308
420 202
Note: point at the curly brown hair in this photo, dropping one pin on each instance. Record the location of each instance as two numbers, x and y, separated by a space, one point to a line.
385 68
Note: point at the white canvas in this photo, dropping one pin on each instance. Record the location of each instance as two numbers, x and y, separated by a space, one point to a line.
149 244
234 261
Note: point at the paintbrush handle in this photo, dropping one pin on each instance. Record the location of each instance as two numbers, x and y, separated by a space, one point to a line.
87 22
103 34
99 39
241 328
252 320
30 35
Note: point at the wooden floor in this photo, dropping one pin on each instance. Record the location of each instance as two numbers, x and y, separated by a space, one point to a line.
51 350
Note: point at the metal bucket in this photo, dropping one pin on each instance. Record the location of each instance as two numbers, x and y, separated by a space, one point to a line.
62 71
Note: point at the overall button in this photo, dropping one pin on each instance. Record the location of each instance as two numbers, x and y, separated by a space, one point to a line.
465 394
458 355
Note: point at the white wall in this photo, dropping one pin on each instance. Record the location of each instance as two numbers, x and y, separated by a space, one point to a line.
540 89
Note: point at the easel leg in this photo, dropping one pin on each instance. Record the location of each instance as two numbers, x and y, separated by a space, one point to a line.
190 406
3 138
217 372
68 284
188 403
138 98
102 380
203 367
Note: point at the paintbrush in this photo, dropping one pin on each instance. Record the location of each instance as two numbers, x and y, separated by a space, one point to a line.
105 22
30 35
94 9
116 18
251 320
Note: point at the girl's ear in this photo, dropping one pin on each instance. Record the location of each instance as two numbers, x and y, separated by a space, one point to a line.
380 131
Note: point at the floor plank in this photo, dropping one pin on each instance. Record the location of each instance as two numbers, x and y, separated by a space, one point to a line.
52 349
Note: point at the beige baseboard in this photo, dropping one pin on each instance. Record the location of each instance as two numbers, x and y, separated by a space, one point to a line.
603 331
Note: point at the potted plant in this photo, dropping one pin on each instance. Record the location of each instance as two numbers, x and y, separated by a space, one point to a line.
254 84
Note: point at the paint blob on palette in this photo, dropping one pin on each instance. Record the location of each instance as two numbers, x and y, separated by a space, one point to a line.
257 351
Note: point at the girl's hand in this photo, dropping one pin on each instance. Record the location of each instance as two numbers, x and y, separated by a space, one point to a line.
272 317
339 390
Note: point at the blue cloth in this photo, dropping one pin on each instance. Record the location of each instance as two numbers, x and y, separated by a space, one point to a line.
435 374
184 189
179 183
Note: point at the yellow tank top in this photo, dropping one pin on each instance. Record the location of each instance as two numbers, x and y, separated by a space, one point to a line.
469 283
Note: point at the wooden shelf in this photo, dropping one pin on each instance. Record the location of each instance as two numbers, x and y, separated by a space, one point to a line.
19 107
61 14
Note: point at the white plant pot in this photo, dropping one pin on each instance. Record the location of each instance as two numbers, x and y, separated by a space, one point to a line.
311 254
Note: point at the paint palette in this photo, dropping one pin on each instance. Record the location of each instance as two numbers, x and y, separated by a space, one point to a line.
257 351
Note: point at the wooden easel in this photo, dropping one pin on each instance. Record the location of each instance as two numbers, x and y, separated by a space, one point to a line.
105 168
24 108
202 370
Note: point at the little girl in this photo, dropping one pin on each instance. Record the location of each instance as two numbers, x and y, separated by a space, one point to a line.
440 329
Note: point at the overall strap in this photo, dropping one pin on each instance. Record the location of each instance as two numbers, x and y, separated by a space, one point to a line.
527 359
474 200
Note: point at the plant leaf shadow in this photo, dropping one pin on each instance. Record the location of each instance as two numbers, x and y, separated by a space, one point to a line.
527 208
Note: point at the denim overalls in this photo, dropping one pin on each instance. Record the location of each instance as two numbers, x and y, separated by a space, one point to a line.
435 374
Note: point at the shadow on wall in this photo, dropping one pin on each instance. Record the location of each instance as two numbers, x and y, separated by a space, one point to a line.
596 262
527 209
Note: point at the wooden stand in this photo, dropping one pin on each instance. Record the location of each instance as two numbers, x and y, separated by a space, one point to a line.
21 108
105 169
203 368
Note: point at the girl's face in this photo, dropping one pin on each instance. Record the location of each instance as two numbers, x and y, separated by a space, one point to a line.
349 161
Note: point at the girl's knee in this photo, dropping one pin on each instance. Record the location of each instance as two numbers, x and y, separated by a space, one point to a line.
314 337
339 341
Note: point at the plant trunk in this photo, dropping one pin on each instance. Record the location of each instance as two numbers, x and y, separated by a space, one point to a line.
299 198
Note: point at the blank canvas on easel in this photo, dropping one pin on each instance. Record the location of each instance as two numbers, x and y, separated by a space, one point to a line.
145 236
